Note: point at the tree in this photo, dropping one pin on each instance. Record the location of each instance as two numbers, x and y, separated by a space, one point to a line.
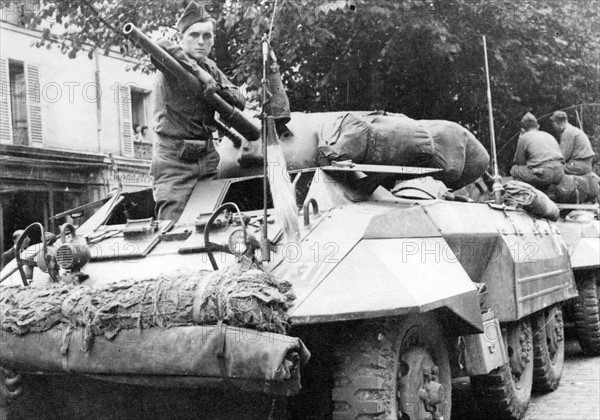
421 58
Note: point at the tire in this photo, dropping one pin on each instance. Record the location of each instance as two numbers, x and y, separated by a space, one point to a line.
36 402
586 313
505 392
548 349
392 369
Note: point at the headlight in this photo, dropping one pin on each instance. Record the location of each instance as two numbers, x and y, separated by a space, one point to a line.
236 244
72 256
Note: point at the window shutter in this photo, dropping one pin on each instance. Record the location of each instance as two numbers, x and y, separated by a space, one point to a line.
125 121
34 106
5 117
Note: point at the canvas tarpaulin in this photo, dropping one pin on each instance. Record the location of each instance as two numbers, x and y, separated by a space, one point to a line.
193 356
521 194
382 138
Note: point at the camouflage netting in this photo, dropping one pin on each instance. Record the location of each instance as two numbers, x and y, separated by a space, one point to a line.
251 299
31 309
163 302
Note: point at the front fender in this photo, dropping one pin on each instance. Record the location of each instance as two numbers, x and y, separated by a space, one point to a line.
389 277
583 242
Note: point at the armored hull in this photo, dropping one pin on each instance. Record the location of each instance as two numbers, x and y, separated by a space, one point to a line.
365 261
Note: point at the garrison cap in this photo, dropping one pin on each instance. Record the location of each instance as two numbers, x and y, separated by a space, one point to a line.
192 14
17 234
528 120
559 116
529 117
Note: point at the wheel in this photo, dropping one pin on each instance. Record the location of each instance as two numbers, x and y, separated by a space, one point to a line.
548 349
393 369
586 312
36 399
10 383
505 392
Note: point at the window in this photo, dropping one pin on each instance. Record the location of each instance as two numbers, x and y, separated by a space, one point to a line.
18 103
139 116
20 106
133 108
139 101
20 13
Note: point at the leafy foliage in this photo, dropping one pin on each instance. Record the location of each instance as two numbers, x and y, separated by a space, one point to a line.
421 58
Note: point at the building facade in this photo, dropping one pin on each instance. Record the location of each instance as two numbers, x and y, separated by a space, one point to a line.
60 119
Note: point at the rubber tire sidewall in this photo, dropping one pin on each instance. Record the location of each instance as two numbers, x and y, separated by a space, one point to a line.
586 312
497 395
375 345
546 375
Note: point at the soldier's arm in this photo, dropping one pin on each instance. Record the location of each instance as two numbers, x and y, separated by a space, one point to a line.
229 91
567 144
583 143
520 158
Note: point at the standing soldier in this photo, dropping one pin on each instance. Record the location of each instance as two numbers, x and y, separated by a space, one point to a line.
11 254
574 144
538 159
184 121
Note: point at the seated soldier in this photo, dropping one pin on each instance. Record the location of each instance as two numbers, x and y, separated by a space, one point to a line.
538 159
574 144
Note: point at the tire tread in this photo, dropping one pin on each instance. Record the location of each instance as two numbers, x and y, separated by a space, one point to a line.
496 396
545 378
586 313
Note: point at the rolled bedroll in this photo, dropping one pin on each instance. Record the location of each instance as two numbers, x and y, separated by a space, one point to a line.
191 328
208 356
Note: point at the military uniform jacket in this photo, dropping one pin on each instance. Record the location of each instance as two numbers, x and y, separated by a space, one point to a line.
536 147
574 144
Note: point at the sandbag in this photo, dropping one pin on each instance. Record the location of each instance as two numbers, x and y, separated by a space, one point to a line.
583 188
394 139
593 187
566 190
522 194
577 189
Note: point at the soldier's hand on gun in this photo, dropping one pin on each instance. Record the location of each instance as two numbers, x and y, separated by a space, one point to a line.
210 86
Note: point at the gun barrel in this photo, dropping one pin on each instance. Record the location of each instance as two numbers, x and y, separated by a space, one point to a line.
229 114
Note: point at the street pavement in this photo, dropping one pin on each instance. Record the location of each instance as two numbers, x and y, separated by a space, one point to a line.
577 397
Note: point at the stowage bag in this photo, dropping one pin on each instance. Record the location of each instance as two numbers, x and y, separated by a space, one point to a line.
383 138
521 194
